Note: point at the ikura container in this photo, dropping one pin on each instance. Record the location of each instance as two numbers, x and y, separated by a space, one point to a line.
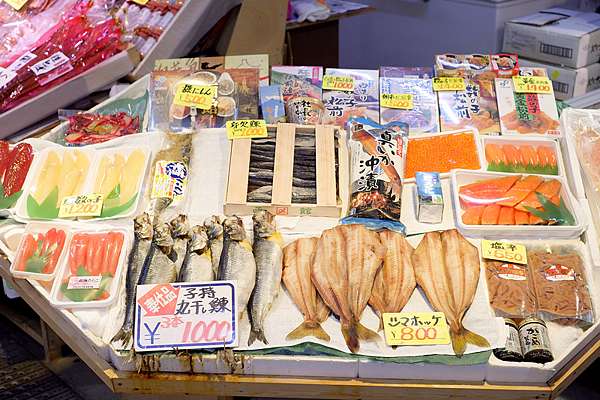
489 205
91 269
40 251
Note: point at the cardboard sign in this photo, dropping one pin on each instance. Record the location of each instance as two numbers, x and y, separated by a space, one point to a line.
185 316
449 84
83 205
398 101
343 83
16 4
170 180
532 84
504 251
415 329
199 96
246 129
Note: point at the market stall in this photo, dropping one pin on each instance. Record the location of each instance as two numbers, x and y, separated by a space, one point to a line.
225 228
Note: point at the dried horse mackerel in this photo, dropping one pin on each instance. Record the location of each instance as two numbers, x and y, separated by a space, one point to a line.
447 269
345 263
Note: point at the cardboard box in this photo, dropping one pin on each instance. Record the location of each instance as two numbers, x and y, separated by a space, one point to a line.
569 82
556 35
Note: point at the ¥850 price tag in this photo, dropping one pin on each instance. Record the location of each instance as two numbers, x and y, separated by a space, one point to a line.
449 83
399 101
198 96
413 329
343 83
84 205
532 84
246 129
504 251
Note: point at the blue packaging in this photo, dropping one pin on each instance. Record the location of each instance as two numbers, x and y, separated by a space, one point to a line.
429 199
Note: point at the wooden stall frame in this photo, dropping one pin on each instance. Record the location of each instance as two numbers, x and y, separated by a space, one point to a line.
227 385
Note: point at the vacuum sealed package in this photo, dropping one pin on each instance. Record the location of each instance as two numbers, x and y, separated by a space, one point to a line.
510 289
376 187
298 81
423 116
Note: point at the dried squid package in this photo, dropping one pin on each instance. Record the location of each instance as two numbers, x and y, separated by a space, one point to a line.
560 284
510 290
376 186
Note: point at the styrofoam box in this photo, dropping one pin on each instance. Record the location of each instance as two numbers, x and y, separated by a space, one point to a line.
47 103
421 371
464 177
573 168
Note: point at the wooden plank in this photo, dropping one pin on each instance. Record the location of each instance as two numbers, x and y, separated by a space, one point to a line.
284 164
239 164
325 149
564 377
51 342
31 326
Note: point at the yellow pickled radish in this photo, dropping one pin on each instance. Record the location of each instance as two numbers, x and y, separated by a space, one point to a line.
101 174
131 174
113 173
69 176
82 163
47 178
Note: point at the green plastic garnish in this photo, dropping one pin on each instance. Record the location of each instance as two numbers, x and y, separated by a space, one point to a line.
559 214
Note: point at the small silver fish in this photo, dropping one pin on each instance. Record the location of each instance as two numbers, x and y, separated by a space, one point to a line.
268 253
142 242
197 265
237 261
158 267
180 226
214 230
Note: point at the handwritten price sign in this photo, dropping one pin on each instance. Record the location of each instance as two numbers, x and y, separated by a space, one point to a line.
198 96
246 129
415 329
84 205
504 251
449 83
185 316
399 101
532 84
343 83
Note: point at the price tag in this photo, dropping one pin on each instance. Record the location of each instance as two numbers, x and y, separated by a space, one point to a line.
415 329
141 2
343 83
504 251
448 83
399 101
185 316
83 205
199 96
84 282
246 129
16 4
532 84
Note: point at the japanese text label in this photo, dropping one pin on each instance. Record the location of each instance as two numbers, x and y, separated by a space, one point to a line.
448 83
202 97
342 83
532 84
246 129
84 205
414 329
504 251
399 101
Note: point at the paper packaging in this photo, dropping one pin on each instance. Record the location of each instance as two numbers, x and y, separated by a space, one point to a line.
568 82
492 66
298 81
271 103
557 35
428 197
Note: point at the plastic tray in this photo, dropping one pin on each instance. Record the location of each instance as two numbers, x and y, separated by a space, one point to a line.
56 298
463 177
480 153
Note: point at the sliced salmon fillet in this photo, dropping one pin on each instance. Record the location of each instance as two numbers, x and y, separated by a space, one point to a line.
472 215
513 155
520 190
521 217
535 220
506 216
494 154
490 215
549 189
547 156
529 155
487 191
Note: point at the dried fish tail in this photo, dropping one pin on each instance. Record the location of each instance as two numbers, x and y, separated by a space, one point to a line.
354 332
306 329
463 336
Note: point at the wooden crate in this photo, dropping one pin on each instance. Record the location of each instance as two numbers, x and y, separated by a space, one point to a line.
328 185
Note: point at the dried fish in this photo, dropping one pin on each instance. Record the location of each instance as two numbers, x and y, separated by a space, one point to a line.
181 229
197 264
214 230
263 194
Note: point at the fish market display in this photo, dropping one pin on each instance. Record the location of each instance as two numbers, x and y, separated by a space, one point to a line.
514 200
344 266
182 232
237 261
142 242
39 252
267 248
510 289
297 261
89 128
197 264
91 255
441 153
395 281
525 158
447 267
14 166
214 231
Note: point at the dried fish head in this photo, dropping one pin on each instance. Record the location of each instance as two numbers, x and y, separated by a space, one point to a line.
264 223
199 239
142 226
180 226
213 226
162 235
234 228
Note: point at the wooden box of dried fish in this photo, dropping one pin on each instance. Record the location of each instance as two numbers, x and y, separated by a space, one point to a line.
296 170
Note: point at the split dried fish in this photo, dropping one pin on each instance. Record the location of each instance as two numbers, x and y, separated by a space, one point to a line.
447 268
297 259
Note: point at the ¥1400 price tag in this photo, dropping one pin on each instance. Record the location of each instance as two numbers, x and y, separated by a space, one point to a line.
504 251
84 205
343 83
395 100
532 84
199 96
414 329
449 83
246 129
